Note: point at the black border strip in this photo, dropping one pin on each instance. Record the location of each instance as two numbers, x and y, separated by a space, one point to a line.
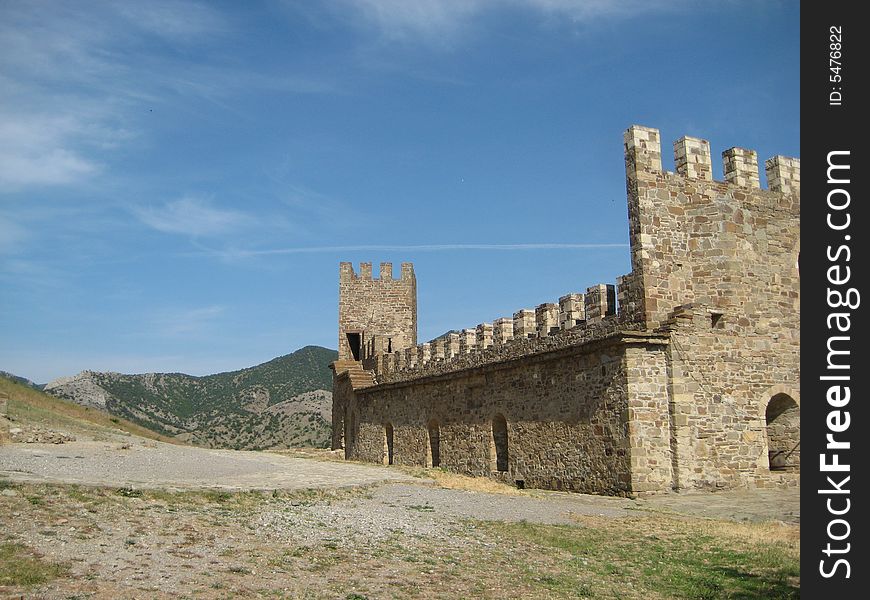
832 101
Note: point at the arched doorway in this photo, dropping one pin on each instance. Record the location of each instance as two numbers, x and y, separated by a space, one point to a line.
783 419
388 444
434 443
500 443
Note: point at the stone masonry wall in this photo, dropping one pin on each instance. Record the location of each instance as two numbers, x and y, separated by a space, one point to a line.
342 397
722 382
382 310
565 413
716 264
648 420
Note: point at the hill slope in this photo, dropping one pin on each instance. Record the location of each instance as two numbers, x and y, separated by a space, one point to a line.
280 403
29 408
21 380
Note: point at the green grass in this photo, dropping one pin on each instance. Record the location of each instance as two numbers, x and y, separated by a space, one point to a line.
19 566
671 562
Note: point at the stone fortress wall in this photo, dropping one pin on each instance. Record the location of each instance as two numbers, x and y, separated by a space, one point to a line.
690 382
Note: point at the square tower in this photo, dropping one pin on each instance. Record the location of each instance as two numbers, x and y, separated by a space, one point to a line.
375 315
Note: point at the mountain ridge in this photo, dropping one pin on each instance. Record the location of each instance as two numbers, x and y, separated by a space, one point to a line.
22 380
221 410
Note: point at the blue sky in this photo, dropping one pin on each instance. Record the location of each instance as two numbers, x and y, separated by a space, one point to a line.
179 180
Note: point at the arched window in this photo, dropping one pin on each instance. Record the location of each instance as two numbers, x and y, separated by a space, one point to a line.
783 418
500 442
434 443
388 444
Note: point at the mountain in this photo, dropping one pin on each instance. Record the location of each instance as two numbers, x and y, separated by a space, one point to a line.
21 380
284 402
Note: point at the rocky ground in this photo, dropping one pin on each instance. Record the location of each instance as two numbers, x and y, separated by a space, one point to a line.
248 524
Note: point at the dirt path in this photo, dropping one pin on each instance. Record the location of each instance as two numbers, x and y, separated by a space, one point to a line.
145 464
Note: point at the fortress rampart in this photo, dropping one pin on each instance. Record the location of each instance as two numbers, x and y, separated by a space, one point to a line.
685 374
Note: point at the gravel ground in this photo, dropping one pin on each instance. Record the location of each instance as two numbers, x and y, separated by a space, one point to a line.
385 540
147 464
734 505
368 528
431 512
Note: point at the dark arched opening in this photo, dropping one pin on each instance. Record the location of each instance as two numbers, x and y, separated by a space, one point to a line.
434 443
500 442
351 430
783 419
388 444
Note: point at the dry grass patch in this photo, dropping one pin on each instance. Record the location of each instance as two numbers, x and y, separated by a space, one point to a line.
441 477
455 481
311 452
29 406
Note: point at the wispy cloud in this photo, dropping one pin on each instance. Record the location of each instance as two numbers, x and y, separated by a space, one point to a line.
433 19
74 78
313 209
34 275
66 80
38 149
593 10
442 21
192 216
188 321
180 20
241 253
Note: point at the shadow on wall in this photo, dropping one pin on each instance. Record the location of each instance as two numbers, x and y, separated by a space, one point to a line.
783 418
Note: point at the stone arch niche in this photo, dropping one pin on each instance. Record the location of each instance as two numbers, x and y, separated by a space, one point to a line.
388 444
782 418
499 449
434 451
351 431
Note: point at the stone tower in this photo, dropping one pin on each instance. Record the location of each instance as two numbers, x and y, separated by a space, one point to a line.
375 315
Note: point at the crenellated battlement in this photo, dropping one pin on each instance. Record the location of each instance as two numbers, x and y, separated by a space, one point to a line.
783 174
385 273
692 160
577 316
